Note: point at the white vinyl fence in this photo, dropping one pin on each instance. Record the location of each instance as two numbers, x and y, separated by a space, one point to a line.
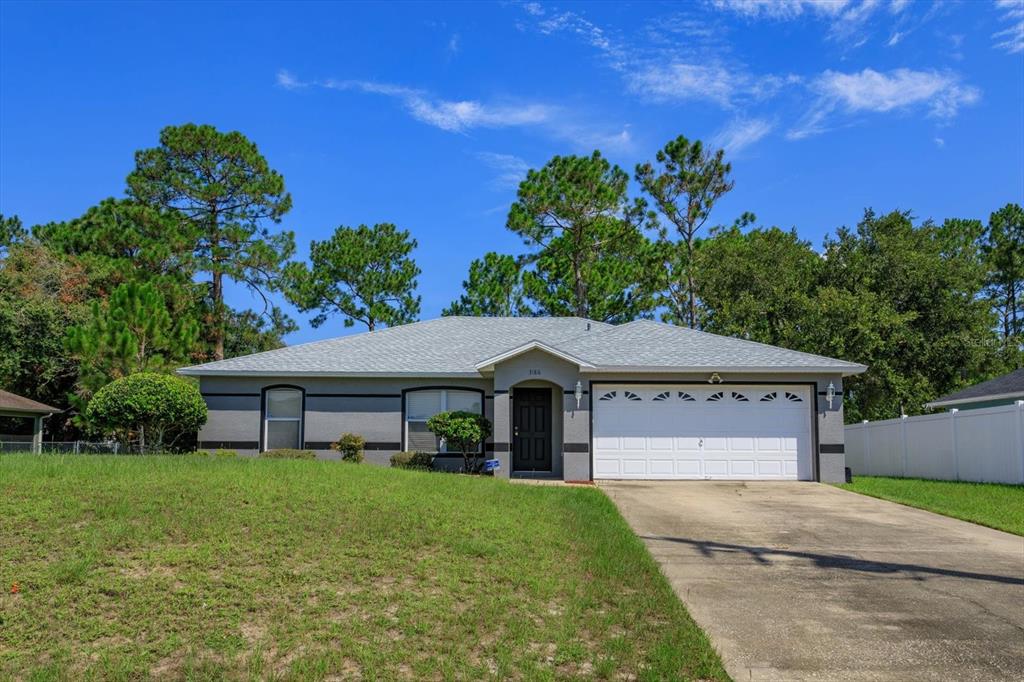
959 445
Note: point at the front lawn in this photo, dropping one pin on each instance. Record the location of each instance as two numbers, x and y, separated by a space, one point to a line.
996 505
131 567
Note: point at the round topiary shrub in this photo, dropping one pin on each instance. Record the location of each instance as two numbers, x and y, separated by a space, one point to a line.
150 412
350 445
465 431
413 460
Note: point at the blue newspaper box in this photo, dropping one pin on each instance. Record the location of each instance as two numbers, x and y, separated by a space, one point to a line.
491 465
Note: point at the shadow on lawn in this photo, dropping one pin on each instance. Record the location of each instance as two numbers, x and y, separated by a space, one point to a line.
762 555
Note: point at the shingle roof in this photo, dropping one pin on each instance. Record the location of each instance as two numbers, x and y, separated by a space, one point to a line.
1007 385
451 346
645 343
12 402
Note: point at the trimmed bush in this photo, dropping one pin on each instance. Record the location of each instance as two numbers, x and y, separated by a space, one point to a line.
154 412
462 430
413 460
350 445
288 453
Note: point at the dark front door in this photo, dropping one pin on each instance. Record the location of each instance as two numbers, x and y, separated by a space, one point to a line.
531 429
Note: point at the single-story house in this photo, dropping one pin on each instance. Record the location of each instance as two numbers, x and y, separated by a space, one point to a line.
1003 390
20 407
569 398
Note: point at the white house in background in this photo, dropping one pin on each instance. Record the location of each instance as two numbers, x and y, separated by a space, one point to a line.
1004 390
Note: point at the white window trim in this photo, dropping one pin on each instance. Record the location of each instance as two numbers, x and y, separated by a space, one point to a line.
267 418
442 447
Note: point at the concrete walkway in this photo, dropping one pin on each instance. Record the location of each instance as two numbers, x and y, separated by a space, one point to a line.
804 581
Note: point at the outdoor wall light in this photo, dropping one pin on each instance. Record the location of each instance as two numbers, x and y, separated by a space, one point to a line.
714 378
578 393
830 394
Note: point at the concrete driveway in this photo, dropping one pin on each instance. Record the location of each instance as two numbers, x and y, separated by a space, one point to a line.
799 581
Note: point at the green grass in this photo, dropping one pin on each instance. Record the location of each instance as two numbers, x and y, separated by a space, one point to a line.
186 567
996 505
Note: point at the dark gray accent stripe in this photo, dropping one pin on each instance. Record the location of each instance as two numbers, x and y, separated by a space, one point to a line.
229 444
499 447
500 391
575 447
353 395
325 445
830 449
572 391
231 395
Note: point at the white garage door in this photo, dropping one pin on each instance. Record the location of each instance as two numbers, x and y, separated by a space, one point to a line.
720 431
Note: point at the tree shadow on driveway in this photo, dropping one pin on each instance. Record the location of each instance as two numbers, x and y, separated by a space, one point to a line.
762 556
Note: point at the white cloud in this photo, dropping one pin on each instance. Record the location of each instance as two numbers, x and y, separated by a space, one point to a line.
677 81
452 115
846 18
461 116
453 45
511 169
941 93
895 38
939 142
741 133
781 9
1011 39
534 8
897 6
286 80
680 81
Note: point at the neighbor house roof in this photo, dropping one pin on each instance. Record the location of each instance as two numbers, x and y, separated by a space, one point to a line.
11 402
1006 387
468 346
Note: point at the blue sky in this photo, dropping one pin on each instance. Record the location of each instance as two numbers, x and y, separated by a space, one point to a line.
426 115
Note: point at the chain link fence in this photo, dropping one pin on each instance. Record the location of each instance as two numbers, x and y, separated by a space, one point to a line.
73 447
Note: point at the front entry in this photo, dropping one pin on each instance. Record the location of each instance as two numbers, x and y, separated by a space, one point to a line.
531 429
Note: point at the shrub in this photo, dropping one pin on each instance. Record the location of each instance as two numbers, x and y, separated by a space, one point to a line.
350 445
413 460
288 453
462 430
158 412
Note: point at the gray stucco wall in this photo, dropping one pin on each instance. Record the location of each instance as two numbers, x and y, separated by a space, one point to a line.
372 407
369 407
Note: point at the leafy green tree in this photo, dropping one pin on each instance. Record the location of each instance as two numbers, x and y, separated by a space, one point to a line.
465 431
690 180
41 295
133 332
247 332
225 188
11 232
153 412
364 273
122 240
494 289
924 282
1003 249
590 254
757 285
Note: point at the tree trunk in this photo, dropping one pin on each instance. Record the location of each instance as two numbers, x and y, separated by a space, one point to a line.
218 315
142 439
689 281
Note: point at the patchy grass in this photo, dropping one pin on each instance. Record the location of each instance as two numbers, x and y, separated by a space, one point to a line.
996 505
134 567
